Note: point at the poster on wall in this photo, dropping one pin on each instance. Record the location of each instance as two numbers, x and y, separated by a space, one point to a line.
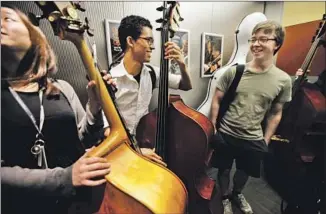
112 37
181 38
212 52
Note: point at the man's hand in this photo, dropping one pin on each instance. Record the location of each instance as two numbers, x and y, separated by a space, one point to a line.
108 78
94 103
300 72
215 130
86 169
267 141
172 51
150 153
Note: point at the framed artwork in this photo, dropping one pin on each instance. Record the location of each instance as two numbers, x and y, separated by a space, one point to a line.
112 40
211 53
181 38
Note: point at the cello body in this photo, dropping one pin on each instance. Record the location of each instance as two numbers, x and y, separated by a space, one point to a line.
188 136
135 184
239 55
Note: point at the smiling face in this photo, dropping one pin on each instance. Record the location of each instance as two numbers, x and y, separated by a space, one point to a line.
14 33
263 50
143 46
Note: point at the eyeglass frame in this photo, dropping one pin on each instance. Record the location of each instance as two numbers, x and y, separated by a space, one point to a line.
149 40
265 40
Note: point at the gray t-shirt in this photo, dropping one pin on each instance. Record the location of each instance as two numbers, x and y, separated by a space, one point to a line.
254 96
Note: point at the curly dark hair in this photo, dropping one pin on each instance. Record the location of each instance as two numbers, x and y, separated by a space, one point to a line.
132 26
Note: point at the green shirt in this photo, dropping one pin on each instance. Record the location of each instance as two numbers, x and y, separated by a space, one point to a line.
254 96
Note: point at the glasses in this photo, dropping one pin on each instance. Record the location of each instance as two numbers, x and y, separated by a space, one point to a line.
260 40
149 40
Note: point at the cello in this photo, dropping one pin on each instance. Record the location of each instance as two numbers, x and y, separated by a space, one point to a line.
182 134
240 51
135 184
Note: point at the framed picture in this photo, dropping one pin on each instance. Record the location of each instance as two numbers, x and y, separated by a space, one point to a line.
181 38
212 52
112 37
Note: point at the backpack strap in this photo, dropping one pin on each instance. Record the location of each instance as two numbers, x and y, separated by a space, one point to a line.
153 75
230 94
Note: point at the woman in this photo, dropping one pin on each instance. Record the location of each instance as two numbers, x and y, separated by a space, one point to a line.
44 125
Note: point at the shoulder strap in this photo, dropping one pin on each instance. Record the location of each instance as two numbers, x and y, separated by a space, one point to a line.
153 75
230 94
236 80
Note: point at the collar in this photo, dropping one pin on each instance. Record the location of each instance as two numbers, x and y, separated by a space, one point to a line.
262 72
120 70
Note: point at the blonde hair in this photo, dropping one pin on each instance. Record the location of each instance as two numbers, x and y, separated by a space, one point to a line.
271 26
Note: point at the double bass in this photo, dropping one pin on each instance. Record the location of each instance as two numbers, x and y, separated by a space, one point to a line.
305 116
303 127
182 134
135 184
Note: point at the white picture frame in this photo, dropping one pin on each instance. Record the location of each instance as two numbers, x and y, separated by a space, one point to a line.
114 50
211 53
182 39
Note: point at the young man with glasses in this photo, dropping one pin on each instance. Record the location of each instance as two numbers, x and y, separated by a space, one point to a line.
262 91
133 78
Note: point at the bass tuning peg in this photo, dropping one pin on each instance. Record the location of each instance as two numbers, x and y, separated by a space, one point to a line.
89 31
79 6
55 15
160 8
159 29
160 20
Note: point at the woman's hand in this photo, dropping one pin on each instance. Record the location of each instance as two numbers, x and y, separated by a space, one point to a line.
86 169
150 153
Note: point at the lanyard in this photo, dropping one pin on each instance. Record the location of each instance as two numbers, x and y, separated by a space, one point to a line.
38 148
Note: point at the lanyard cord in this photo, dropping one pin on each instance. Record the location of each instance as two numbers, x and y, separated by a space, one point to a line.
38 149
29 113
